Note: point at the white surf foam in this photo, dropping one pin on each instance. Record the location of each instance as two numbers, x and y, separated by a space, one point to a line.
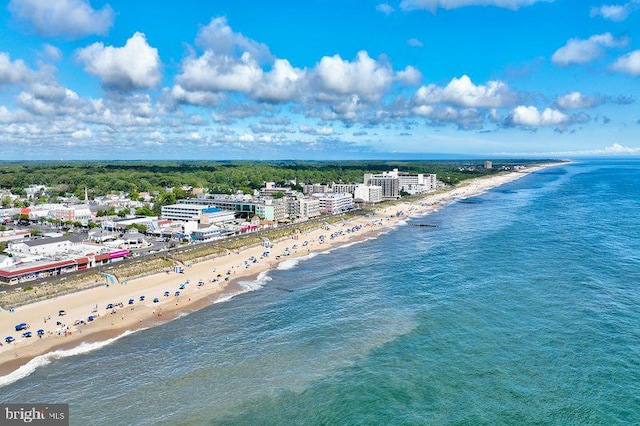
261 280
45 359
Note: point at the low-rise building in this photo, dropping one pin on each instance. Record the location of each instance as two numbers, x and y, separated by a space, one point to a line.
47 247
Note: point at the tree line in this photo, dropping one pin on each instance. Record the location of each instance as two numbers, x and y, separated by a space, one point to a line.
133 177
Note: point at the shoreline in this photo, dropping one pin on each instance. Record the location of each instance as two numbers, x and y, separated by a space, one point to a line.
201 285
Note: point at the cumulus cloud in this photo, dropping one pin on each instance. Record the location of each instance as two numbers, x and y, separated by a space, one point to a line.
52 52
615 13
530 116
577 100
464 118
364 76
136 65
320 131
385 8
578 51
409 76
628 64
218 38
284 82
50 99
462 92
220 73
414 42
67 18
433 5
232 62
201 98
13 71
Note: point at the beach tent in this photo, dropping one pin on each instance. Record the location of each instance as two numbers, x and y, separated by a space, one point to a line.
9 339
40 332
22 326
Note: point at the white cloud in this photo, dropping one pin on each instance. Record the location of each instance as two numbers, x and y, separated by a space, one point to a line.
409 76
462 92
414 42
529 116
433 5
220 73
52 52
136 65
246 137
13 71
464 118
68 18
578 51
320 131
230 62
364 77
577 100
202 98
628 64
615 13
282 83
82 134
385 8
218 38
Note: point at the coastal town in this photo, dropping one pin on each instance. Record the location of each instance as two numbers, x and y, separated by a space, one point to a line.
73 235
112 307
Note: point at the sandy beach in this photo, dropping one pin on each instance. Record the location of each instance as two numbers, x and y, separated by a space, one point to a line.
201 284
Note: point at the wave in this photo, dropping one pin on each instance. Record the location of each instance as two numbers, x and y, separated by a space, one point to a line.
261 280
292 263
45 359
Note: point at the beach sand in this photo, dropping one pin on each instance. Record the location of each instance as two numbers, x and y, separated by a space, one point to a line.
111 323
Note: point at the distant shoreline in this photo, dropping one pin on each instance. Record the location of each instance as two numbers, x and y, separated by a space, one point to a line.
20 358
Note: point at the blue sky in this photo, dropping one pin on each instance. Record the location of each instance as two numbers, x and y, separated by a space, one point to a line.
330 79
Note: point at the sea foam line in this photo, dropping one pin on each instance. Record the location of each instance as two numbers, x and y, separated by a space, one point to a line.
45 359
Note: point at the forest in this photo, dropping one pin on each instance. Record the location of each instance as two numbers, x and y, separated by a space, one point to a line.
64 178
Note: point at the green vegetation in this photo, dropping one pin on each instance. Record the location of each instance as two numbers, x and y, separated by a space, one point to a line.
137 268
66 178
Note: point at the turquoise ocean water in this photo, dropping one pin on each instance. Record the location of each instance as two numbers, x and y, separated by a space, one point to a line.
522 306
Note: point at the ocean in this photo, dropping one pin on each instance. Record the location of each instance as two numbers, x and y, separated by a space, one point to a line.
519 306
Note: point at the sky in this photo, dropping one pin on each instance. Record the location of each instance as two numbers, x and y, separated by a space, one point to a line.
318 79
